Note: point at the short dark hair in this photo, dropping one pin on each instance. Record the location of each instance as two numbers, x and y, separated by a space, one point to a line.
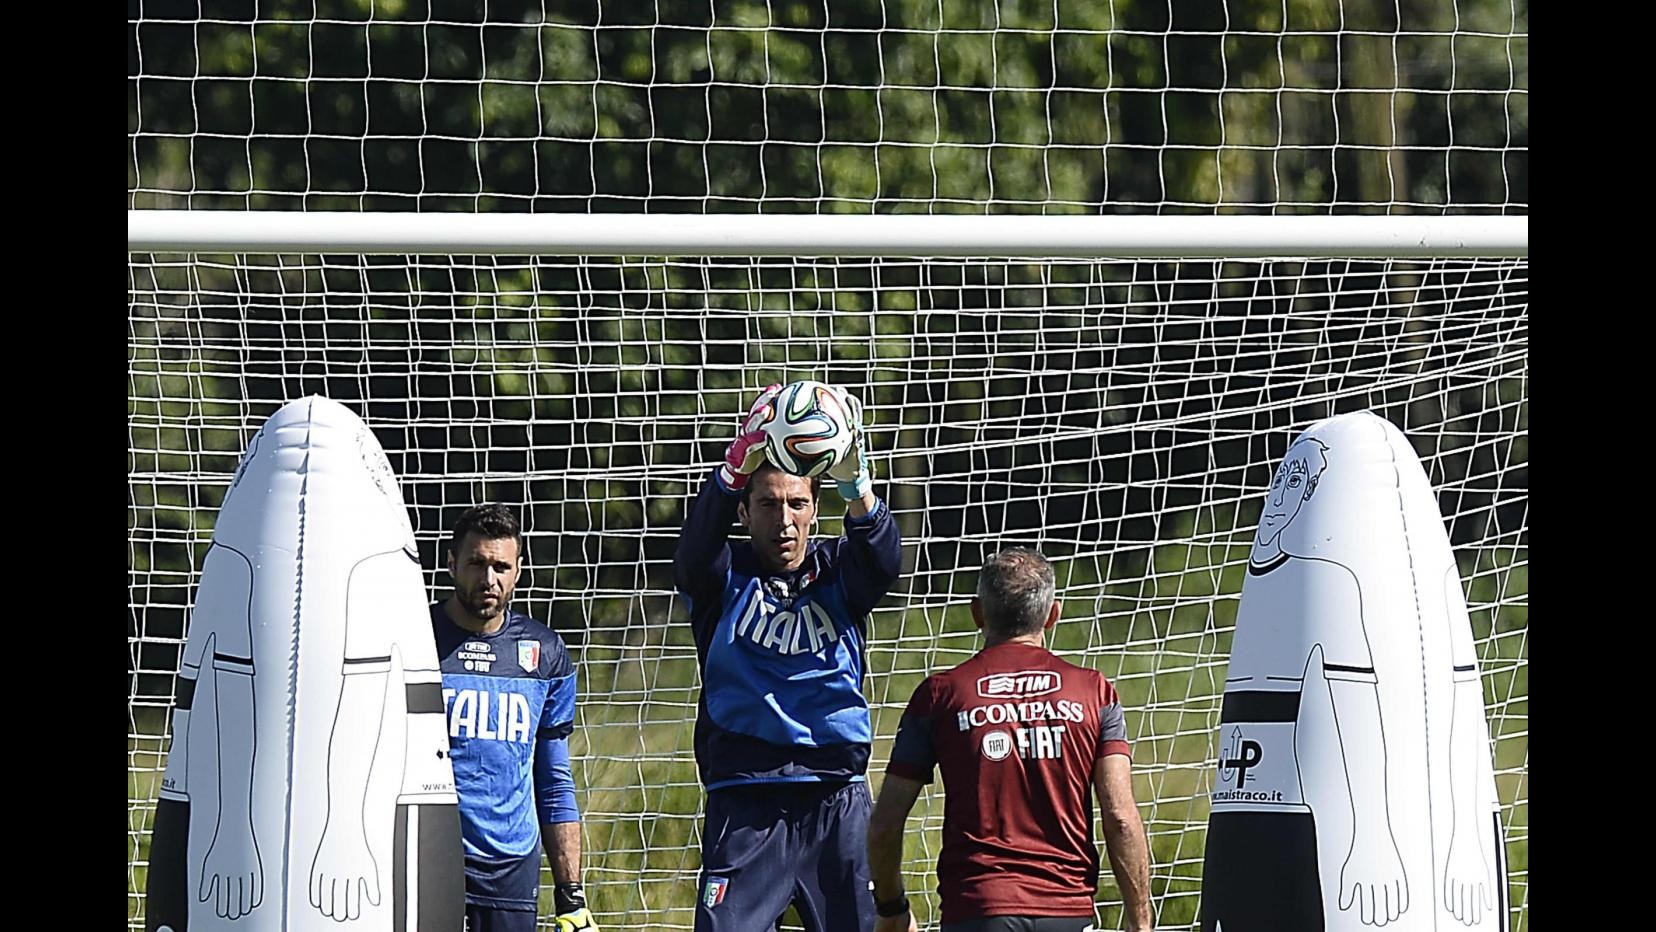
490 522
1015 591
767 466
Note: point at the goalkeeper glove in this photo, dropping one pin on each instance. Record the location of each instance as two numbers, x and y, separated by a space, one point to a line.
853 475
572 909
747 452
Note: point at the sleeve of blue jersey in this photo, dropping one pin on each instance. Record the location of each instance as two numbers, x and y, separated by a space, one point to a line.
557 718
872 558
703 555
554 782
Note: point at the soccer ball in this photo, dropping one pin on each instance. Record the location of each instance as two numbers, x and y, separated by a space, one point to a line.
810 430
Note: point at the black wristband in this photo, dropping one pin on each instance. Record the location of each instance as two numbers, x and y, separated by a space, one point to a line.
567 898
892 907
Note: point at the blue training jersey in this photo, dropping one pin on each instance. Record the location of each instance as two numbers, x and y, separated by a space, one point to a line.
782 656
509 698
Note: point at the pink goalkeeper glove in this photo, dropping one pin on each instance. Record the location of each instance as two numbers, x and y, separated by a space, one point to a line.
747 452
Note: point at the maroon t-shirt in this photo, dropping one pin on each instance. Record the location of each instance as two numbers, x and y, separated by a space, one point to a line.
1017 732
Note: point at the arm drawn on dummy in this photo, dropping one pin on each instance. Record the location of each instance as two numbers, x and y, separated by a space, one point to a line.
345 870
1372 879
232 873
1468 882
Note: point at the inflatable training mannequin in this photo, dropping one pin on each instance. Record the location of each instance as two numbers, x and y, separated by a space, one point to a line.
308 785
1354 786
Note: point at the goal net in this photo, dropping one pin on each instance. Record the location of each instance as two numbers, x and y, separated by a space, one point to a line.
1122 415
1124 418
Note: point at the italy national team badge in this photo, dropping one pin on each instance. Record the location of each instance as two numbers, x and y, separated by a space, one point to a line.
713 893
529 655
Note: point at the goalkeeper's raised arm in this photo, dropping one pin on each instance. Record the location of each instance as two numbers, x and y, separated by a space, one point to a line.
703 555
780 625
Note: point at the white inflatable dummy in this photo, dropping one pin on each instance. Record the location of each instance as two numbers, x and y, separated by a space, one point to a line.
308 784
1354 786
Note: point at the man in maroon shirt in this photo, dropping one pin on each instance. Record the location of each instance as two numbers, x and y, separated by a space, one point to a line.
1019 734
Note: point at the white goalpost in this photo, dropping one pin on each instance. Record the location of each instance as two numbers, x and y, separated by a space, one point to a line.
1090 267
1123 416
1123 237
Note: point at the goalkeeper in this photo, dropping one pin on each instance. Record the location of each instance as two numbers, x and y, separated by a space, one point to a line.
509 691
782 728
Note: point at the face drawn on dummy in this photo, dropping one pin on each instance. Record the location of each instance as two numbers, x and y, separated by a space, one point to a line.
1294 483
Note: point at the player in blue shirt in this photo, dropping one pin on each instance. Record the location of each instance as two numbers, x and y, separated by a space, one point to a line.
782 727
509 694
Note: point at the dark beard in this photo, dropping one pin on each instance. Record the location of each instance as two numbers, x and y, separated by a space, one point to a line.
473 605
